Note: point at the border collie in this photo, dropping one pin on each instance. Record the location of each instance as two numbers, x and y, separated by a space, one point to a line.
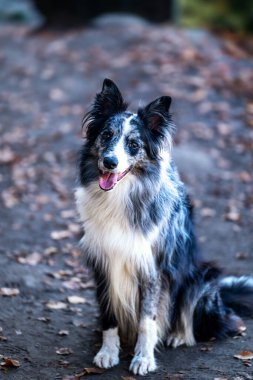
152 284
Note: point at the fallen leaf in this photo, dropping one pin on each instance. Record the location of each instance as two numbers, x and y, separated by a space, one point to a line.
67 214
50 251
9 292
77 323
9 197
59 235
56 305
206 349
9 362
127 378
57 95
207 212
32 259
64 351
63 332
242 256
44 319
3 338
174 376
60 274
244 355
232 216
245 177
76 300
87 371
7 156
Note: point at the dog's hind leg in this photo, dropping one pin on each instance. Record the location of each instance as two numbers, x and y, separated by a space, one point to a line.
144 359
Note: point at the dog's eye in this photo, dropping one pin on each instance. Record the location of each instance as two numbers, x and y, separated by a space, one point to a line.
133 145
106 135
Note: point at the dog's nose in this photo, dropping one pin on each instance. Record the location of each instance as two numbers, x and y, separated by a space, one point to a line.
110 162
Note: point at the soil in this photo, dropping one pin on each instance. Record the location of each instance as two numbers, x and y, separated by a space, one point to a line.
48 81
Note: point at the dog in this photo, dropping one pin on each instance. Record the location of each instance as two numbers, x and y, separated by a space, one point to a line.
151 282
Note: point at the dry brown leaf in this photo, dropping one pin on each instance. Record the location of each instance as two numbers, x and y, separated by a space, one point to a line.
245 177
10 198
56 305
63 332
127 378
60 274
244 355
59 235
93 371
242 255
68 214
75 300
57 95
50 251
32 259
174 376
9 292
207 212
44 319
64 351
9 362
232 216
7 156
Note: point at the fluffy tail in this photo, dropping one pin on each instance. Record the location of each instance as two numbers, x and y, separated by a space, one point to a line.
218 310
237 294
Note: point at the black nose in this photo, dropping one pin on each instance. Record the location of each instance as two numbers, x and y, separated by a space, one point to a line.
110 162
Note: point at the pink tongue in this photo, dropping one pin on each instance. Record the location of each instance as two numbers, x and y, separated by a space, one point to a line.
107 181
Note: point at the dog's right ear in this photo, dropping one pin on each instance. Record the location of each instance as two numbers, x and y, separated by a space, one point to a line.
109 101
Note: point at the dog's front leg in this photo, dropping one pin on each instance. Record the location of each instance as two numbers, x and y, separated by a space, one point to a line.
108 355
144 359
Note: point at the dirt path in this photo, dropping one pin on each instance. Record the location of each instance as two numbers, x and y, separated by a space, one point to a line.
47 82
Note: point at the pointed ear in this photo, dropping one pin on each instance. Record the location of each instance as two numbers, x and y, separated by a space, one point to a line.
156 113
109 101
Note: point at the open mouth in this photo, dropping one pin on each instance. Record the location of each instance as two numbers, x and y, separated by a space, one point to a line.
108 180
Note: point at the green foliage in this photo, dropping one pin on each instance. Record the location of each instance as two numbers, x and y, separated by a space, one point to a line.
235 15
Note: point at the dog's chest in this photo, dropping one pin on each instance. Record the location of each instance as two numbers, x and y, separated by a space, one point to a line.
123 252
108 233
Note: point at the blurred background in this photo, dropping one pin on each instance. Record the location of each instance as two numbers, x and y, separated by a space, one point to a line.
233 15
54 55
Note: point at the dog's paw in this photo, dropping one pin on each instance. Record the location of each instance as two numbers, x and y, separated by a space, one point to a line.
177 341
106 358
141 365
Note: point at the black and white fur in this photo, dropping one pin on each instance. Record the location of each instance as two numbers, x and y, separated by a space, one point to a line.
138 236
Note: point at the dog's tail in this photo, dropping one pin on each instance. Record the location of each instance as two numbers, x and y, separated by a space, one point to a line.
237 294
218 310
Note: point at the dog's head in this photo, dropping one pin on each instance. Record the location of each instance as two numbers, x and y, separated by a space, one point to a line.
122 141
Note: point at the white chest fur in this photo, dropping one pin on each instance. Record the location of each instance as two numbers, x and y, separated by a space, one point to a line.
123 251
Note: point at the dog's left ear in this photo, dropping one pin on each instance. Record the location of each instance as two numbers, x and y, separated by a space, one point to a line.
156 114
109 101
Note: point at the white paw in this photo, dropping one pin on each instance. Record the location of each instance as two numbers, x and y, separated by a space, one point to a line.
106 358
175 341
141 365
